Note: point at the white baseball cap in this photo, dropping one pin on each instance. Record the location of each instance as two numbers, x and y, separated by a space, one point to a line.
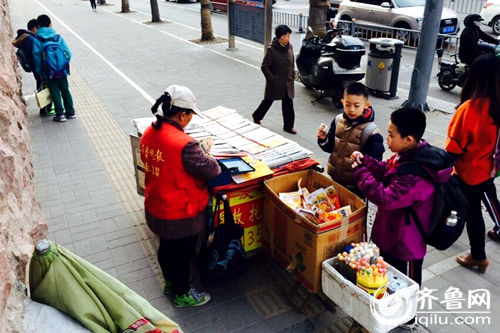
183 97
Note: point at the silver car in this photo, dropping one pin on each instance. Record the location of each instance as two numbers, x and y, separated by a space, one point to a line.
406 14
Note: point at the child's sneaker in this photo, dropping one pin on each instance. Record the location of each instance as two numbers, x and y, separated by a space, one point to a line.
168 288
59 119
49 113
192 298
70 116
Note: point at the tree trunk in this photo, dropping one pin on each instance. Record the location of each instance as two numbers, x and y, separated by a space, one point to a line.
125 6
207 32
155 12
317 17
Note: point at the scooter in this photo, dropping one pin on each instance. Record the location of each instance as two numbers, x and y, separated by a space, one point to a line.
330 63
450 74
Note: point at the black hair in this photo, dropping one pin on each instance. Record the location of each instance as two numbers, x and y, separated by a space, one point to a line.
33 23
168 109
357 88
43 21
282 30
483 84
409 121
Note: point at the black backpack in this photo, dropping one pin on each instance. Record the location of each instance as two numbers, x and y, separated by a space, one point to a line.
447 197
222 255
23 60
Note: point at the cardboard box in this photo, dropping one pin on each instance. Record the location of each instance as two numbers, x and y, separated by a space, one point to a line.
247 207
301 245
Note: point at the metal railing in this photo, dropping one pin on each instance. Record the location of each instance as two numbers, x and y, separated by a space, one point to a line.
465 6
411 38
292 20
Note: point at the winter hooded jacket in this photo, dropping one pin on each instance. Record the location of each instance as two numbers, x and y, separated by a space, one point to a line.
469 39
343 139
24 40
278 67
46 33
394 230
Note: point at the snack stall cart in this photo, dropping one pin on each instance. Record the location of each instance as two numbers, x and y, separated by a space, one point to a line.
268 153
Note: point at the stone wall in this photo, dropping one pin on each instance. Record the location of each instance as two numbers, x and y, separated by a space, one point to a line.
21 220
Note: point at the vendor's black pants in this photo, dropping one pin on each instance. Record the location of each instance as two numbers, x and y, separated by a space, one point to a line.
174 256
286 109
487 193
92 4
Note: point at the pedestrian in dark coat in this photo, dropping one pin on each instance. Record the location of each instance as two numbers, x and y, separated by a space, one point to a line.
278 67
469 39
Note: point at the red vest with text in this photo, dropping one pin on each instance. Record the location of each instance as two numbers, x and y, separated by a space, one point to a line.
171 192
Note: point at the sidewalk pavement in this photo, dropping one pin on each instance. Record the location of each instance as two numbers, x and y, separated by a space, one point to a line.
83 168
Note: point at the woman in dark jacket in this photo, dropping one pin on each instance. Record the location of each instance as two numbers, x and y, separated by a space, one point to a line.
176 196
278 67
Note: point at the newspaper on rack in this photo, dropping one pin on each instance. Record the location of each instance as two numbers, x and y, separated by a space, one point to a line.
234 135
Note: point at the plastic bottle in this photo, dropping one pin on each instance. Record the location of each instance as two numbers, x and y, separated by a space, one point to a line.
451 221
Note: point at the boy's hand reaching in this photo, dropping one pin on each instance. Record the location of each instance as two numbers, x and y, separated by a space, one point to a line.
356 159
321 133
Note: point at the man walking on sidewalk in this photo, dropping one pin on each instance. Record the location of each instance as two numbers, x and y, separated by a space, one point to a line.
52 57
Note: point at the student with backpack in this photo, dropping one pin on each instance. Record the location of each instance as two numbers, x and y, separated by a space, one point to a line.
52 56
472 137
405 201
24 43
353 130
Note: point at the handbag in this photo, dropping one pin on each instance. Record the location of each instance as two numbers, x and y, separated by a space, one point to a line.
222 255
43 97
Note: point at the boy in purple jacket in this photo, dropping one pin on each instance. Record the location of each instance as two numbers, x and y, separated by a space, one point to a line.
394 230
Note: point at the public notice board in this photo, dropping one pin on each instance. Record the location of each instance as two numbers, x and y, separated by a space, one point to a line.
247 22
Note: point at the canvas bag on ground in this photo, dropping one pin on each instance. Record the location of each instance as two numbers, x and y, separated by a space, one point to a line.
222 255
43 97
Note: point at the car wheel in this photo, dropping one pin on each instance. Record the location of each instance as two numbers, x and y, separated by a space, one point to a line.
444 81
495 25
402 35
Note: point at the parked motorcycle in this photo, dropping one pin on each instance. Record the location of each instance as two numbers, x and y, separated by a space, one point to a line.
330 63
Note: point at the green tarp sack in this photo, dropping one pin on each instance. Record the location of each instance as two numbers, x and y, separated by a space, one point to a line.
98 301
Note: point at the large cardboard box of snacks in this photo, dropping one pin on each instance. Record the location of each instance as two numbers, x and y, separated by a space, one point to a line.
299 244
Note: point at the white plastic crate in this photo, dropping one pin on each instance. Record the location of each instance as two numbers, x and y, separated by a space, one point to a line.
356 302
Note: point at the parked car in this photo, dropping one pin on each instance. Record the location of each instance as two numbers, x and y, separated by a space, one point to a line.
406 14
491 15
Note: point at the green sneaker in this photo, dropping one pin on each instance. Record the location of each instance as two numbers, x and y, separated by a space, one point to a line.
192 298
168 288
46 114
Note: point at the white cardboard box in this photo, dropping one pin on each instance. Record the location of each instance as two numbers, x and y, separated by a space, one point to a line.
365 309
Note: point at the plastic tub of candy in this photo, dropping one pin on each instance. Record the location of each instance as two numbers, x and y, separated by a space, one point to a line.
375 315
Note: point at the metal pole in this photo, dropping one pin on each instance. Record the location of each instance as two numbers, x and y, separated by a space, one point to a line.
301 17
425 55
268 24
232 46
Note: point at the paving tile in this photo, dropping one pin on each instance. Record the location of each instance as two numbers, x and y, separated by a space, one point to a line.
260 327
82 248
216 327
229 317
199 320
62 237
285 320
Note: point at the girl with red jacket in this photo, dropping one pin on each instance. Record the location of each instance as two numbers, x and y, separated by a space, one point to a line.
472 136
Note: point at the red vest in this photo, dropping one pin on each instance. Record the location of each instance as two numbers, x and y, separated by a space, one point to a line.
171 192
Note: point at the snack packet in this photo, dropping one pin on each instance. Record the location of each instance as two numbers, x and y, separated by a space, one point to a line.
291 199
332 197
304 192
319 199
